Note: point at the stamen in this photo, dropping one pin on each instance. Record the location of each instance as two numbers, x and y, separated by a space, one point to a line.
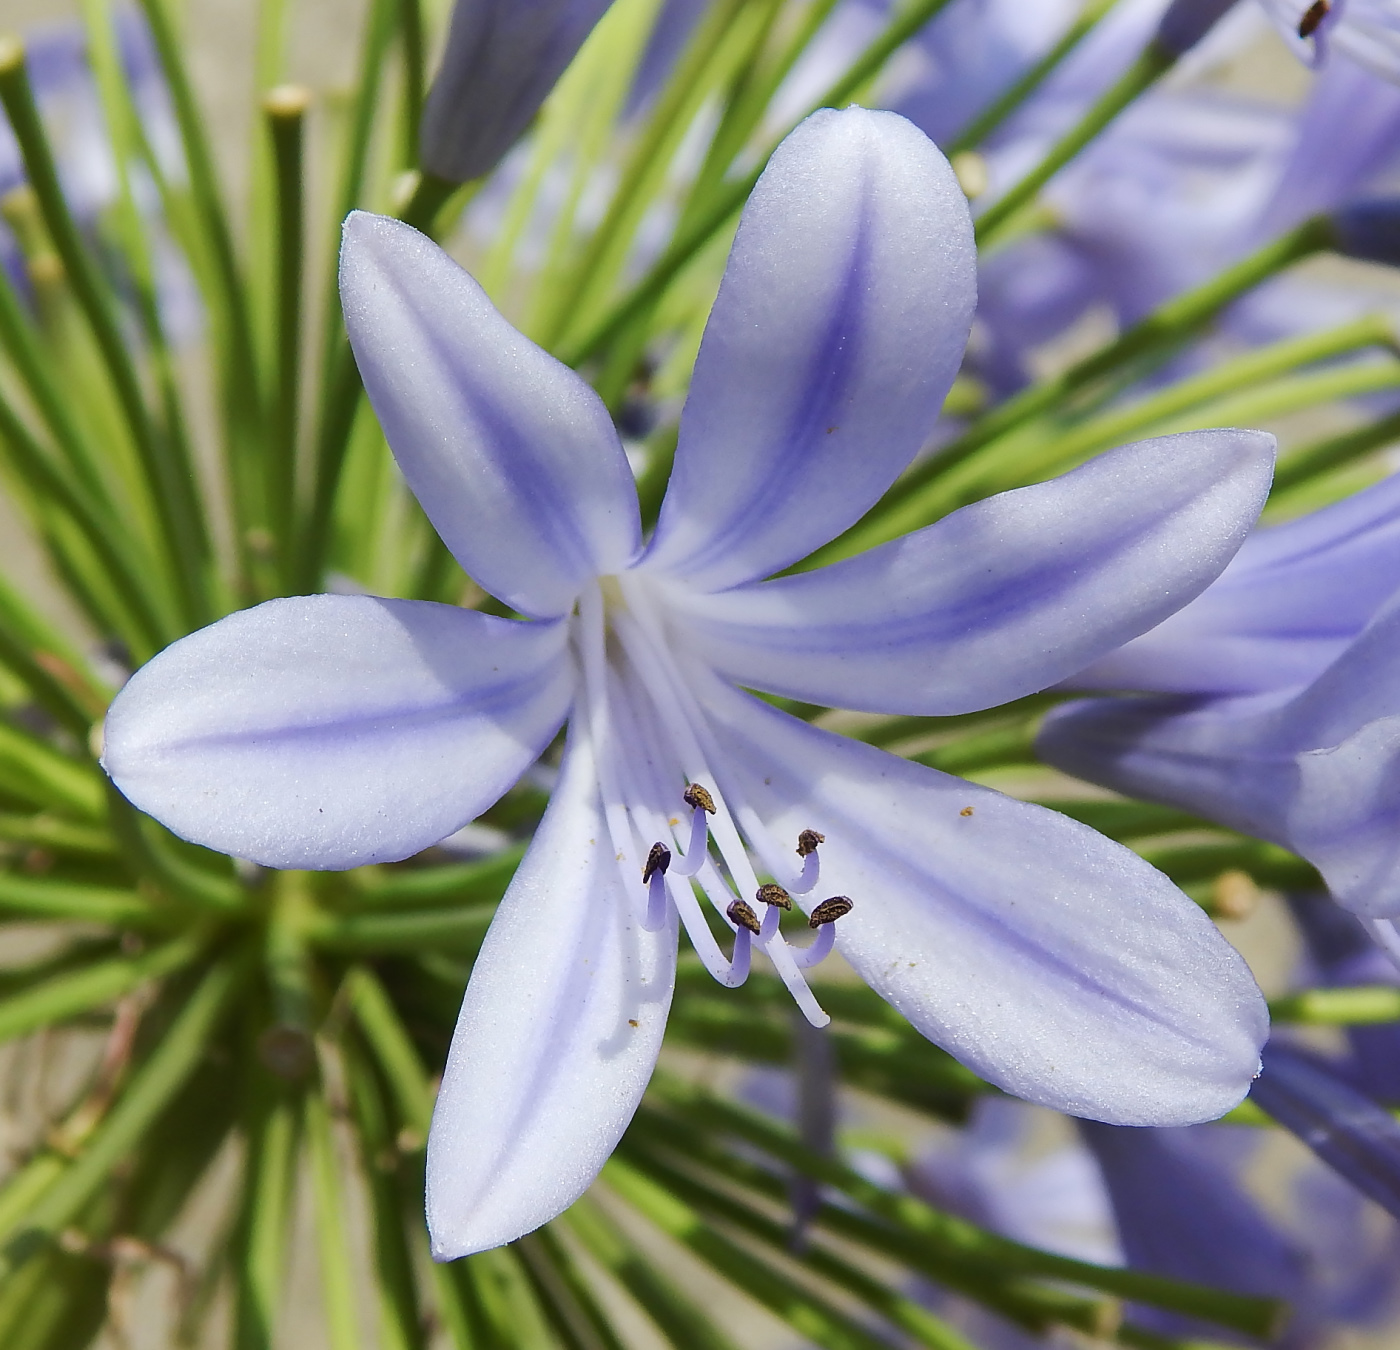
807 843
1313 17
654 874
697 850
699 797
829 911
745 925
741 914
823 919
658 860
773 895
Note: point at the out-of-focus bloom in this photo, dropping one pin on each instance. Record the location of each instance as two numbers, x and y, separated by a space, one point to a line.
1344 1127
1290 602
1367 31
1173 1202
1182 1209
1342 953
329 731
502 59
1186 181
65 91
1315 770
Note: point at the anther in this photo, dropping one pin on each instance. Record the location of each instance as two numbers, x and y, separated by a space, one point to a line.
773 895
807 842
829 911
741 913
1313 17
699 798
658 860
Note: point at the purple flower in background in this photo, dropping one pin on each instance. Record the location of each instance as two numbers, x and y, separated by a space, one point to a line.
1367 31
1345 1128
502 59
329 731
1288 604
1315 769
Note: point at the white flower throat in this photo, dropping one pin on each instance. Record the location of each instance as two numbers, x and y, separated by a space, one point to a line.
656 755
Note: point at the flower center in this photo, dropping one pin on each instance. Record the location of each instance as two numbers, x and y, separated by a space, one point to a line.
655 749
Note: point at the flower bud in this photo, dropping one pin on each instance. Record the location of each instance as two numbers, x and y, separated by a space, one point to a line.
1186 22
502 59
1369 230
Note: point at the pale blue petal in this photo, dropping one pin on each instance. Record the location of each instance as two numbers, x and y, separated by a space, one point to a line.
1319 773
328 731
839 327
558 1033
1345 1128
511 454
1053 962
1004 597
1284 609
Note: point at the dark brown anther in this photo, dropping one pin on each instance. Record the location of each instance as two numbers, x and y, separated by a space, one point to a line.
773 895
699 798
1313 17
830 910
807 842
658 860
741 912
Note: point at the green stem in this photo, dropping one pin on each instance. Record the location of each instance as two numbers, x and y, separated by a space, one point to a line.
392 1047
151 1088
1363 1005
72 994
48 481
338 1275
1313 460
961 1240
411 33
1016 93
285 111
1150 66
172 487
240 391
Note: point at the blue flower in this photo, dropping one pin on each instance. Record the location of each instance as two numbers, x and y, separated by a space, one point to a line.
329 731
1296 737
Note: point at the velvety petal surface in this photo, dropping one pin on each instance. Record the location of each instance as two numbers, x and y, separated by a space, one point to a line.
1054 962
837 332
511 454
1284 609
1318 773
557 1037
328 731
1001 598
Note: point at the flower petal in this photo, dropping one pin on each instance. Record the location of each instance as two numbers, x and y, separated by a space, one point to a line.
328 731
1004 597
1052 961
837 332
1287 606
1319 774
1345 1128
558 1034
511 454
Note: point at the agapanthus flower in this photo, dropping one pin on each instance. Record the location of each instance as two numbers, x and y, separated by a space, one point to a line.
502 59
1366 31
1287 721
329 731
